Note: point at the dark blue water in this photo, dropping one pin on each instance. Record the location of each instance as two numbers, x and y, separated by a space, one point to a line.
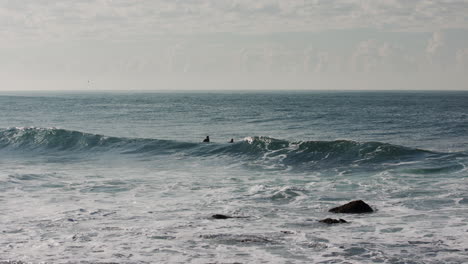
124 177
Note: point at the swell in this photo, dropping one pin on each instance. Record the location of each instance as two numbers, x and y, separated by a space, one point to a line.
256 149
55 139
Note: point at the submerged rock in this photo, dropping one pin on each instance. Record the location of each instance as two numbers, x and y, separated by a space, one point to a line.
239 238
220 216
333 221
354 207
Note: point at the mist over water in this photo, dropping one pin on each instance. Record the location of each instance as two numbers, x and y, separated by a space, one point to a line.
124 177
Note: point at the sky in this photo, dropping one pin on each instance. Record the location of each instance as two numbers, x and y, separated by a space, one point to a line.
233 45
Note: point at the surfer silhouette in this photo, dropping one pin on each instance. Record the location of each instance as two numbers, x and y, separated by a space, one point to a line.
232 140
207 139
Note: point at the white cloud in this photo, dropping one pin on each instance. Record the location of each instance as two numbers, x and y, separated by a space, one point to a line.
462 59
323 59
149 39
436 46
377 56
59 19
436 43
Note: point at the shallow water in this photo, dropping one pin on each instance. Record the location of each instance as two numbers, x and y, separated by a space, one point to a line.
121 177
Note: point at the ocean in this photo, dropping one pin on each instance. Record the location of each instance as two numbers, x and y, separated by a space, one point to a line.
122 177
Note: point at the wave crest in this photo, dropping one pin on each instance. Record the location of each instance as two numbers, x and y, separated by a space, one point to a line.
264 150
52 138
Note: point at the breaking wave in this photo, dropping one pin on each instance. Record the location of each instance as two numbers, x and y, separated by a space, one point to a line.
264 149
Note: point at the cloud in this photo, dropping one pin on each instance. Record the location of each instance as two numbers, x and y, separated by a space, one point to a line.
379 56
323 60
65 19
438 53
436 43
462 59
128 39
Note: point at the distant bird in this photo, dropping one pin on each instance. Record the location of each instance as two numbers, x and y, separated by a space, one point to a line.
207 139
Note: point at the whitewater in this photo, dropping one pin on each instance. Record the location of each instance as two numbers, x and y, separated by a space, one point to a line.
122 177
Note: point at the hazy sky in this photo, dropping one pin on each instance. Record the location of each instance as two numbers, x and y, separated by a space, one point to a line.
233 44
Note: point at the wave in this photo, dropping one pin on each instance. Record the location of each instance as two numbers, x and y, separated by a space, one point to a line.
264 150
45 139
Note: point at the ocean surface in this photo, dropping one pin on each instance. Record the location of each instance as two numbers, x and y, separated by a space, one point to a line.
123 177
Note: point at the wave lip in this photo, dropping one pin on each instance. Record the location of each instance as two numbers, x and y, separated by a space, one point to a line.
353 151
329 153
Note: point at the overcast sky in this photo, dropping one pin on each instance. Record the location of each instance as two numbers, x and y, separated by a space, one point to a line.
233 44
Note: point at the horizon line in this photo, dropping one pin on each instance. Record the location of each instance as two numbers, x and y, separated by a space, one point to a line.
236 90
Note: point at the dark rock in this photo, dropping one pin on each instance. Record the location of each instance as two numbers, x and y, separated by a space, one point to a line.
111 213
240 238
354 207
333 221
220 216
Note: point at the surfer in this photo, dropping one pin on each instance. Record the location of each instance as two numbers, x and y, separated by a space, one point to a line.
232 140
207 139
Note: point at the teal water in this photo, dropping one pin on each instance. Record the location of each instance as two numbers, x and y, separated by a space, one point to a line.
124 177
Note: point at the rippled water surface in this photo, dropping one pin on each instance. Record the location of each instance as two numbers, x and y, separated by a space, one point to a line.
124 177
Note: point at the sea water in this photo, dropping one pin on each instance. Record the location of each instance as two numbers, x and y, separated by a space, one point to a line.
124 178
